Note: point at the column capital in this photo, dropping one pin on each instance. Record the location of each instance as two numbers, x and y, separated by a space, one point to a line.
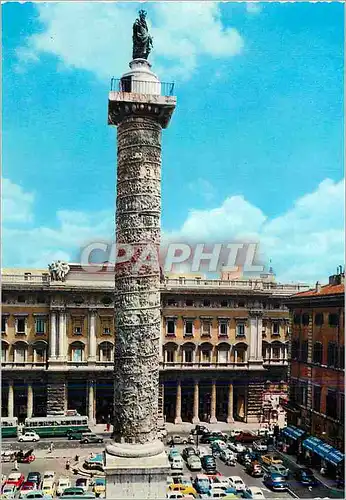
255 313
93 310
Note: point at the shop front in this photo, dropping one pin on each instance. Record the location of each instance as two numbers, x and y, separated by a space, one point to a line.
323 456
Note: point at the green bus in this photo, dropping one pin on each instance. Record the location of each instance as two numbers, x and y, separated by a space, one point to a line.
9 426
56 426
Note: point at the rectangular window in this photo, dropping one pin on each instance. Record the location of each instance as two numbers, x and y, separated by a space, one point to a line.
20 325
342 408
223 329
106 330
295 349
77 354
276 328
3 324
333 319
296 319
240 332
170 356
106 353
331 354
318 353
189 328
319 319
342 357
19 355
170 327
317 398
222 356
78 330
224 303
189 302
206 328
188 356
304 351
206 303
276 352
331 404
40 325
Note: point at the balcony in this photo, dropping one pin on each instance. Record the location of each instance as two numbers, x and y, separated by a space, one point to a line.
141 87
26 279
22 366
204 365
275 361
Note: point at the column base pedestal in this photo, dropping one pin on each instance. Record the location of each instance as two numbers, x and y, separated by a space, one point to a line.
230 420
136 477
213 420
178 420
195 420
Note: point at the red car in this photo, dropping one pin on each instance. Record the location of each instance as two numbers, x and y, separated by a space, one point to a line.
246 437
16 478
28 486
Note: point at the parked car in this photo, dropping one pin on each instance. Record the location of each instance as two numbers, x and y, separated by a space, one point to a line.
227 457
218 446
202 483
72 491
15 478
83 482
209 464
29 437
219 482
49 474
253 492
38 495
184 489
100 486
95 463
49 487
173 452
275 482
245 457
194 463
235 432
260 446
9 491
178 440
26 487
63 483
200 430
254 469
90 437
174 495
77 434
25 457
280 469
35 477
202 451
177 463
187 452
271 460
306 477
237 483
236 447
265 432
246 437
7 455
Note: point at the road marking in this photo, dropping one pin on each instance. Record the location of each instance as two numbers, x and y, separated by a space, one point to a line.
292 493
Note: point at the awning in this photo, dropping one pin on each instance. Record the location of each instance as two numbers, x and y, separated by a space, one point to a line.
324 450
335 457
292 432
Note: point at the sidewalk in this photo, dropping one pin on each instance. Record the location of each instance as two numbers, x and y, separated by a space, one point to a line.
328 483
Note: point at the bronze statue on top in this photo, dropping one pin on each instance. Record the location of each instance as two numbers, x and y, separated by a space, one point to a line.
142 41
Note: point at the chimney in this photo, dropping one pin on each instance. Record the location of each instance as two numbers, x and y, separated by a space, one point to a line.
318 286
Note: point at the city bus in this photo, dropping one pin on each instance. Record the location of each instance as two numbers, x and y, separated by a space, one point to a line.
56 426
9 426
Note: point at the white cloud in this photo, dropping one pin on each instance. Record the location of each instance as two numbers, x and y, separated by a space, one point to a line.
98 36
305 244
253 8
16 203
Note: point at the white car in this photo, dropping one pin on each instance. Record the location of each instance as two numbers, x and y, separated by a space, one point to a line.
219 482
265 432
194 463
63 483
174 494
203 451
9 491
259 446
49 474
29 437
237 483
216 493
236 447
279 469
253 492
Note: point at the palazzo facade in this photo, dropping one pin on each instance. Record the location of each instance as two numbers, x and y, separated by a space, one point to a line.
224 346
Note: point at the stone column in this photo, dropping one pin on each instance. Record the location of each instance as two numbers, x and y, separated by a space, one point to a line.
92 336
30 401
255 336
52 340
55 395
91 402
195 419
10 403
230 418
62 336
213 419
178 419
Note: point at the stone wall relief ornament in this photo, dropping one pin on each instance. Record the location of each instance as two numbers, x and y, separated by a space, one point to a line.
58 270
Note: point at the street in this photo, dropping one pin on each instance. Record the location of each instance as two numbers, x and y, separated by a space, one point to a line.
68 449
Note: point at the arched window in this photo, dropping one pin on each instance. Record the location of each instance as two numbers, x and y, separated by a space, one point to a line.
318 353
305 319
77 352
169 351
106 351
239 353
4 351
39 351
20 352
223 353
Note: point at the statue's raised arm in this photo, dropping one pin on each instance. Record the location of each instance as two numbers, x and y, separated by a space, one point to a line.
142 41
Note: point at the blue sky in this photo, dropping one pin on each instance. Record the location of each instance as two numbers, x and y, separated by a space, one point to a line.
254 149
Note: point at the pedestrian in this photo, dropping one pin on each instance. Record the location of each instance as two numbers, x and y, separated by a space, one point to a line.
15 464
108 426
91 455
67 464
51 447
